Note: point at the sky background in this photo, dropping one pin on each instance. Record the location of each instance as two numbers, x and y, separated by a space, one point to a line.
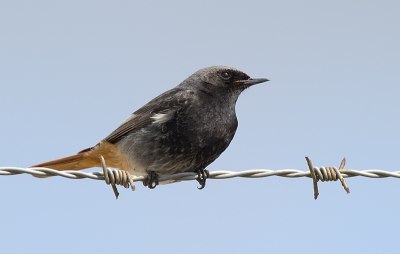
72 71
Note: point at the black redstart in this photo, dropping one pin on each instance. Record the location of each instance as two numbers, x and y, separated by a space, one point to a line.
182 130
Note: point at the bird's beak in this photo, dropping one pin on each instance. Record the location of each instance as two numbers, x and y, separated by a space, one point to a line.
251 81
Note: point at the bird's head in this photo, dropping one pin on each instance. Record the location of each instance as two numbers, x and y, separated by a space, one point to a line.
222 78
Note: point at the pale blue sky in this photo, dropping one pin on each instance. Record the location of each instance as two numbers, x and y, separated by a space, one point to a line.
72 71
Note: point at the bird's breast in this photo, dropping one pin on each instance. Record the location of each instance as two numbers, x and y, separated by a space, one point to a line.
181 140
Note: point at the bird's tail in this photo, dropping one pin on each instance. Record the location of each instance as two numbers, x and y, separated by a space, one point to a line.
89 158
82 160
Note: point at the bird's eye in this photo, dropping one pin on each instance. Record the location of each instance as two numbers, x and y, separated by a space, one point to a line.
225 75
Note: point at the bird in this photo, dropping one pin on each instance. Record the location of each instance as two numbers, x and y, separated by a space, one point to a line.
184 129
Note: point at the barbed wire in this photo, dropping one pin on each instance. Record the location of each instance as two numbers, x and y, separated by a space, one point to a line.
220 174
123 178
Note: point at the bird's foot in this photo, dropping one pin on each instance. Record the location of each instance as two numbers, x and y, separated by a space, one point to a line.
152 180
202 175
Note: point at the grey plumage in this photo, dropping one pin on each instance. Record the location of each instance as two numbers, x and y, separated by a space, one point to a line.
186 128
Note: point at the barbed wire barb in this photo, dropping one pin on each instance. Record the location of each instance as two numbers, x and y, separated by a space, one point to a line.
326 174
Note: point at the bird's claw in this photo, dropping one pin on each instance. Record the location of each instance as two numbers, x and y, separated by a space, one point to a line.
152 180
202 175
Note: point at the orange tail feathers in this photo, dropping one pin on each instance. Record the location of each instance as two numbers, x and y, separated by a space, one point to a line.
89 158
75 162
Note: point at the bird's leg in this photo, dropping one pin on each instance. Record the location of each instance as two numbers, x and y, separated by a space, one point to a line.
202 175
152 180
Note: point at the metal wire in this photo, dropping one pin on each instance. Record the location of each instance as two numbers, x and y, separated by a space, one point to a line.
123 178
254 173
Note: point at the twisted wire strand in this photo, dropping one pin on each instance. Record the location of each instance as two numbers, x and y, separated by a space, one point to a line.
254 173
123 178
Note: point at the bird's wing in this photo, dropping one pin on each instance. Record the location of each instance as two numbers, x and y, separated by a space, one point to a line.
169 101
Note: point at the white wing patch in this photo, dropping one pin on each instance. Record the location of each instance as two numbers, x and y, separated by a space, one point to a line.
162 117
